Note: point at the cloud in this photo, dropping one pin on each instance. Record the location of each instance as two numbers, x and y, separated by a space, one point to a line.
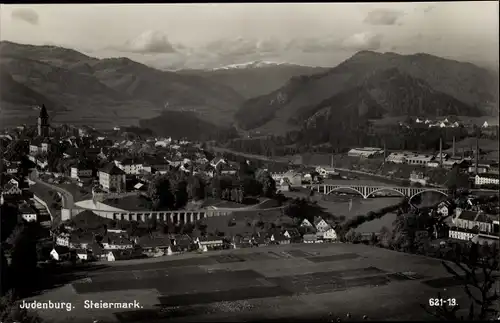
149 42
232 50
27 15
363 41
383 17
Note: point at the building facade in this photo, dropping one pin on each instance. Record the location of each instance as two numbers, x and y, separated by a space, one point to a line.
112 178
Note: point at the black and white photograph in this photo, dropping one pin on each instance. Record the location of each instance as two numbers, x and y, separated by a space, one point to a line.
249 162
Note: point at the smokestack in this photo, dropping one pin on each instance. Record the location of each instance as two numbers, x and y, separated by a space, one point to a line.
385 152
441 152
453 146
477 154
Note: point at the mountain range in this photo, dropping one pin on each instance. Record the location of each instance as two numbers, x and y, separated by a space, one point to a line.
279 97
255 78
372 86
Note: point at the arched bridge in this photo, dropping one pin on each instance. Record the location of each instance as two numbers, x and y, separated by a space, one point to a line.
367 191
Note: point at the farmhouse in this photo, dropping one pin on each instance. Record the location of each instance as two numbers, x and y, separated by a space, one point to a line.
60 253
321 225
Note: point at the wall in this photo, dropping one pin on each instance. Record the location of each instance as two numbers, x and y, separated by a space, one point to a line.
162 216
39 200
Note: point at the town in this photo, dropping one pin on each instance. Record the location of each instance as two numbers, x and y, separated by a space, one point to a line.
114 196
249 162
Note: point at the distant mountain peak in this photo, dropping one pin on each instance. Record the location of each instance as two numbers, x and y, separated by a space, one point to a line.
252 64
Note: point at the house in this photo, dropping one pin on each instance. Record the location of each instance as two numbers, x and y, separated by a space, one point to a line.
240 241
215 162
11 190
112 178
115 255
277 237
28 213
83 254
60 253
310 238
181 242
444 208
116 242
154 245
306 223
321 225
209 242
486 179
260 240
473 219
130 166
292 234
38 146
330 235
81 170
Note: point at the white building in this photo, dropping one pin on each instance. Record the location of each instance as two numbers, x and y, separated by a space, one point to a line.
28 213
112 178
418 159
396 158
306 223
329 235
326 171
484 179
321 225
130 166
365 152
79 171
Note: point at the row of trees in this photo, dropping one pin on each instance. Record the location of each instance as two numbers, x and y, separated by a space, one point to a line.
21 277
344 135
174 189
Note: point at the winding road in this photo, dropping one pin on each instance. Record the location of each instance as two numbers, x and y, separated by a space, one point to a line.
67 198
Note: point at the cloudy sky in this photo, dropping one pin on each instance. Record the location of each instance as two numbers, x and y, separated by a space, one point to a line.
210 35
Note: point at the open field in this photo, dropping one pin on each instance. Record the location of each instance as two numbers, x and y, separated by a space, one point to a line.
296 281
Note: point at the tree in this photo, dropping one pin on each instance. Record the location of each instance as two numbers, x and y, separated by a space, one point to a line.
24 257
196 188
267 183
456 180
482 291
11 312
179 192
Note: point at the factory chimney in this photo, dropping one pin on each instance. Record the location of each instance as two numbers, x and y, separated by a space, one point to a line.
385 153
453 146
441 152
477 155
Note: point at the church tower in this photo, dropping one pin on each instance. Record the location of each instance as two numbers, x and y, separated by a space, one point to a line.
43 122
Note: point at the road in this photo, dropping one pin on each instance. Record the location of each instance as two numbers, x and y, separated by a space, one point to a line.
67 197
396 182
